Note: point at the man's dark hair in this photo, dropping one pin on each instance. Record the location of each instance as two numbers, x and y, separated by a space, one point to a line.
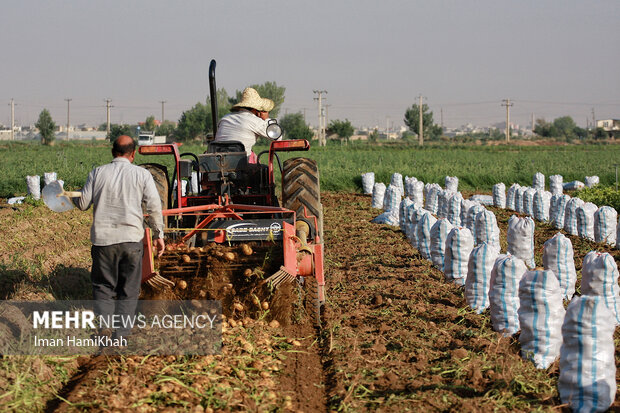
122 150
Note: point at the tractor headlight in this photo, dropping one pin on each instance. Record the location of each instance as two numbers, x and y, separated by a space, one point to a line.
274 131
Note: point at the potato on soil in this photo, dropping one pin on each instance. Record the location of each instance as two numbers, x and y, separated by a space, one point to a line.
247 272
182 284
265 305
238 306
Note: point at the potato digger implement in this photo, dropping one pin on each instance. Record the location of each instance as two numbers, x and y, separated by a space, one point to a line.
227 235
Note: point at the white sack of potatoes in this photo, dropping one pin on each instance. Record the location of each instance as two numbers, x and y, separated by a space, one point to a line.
504 293
599 276
570 215
556 184
520 237
542 205
585 220
486 229
478 280
34 186
459 245
397 181
368 182
439 235
538 182
452 183
378 194
454 208
558 256
541 314
423 229
510 196
499 195
605 219
587 379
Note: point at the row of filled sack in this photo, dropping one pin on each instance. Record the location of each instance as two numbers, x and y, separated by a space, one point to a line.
33 185
474 267
575 216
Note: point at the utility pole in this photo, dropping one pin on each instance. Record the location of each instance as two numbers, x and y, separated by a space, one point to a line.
506 102
12 119
68 111
162 109
533 126
441 111
321 135
593 120
107 105
420 125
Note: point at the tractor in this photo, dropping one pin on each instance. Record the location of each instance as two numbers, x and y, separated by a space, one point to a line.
228 236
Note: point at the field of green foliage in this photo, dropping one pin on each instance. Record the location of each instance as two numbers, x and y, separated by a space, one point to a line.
477 167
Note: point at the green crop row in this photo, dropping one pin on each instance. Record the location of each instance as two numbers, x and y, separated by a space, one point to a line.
477 167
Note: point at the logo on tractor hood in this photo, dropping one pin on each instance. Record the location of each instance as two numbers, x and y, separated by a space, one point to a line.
253 228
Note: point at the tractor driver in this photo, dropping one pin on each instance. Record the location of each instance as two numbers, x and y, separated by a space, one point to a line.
246 122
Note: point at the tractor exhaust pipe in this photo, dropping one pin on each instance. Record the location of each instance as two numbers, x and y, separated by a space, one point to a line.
213 94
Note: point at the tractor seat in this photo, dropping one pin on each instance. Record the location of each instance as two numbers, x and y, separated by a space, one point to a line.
225 146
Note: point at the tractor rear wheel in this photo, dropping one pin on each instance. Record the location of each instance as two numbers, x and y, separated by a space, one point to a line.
301 188
160 176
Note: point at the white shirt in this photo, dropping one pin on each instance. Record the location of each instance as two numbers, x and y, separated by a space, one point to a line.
242 126
117 190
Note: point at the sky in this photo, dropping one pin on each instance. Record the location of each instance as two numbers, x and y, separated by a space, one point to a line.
374 58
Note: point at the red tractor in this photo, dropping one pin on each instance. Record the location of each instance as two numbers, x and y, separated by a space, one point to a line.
228 236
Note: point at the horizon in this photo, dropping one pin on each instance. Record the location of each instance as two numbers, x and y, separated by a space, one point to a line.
553 59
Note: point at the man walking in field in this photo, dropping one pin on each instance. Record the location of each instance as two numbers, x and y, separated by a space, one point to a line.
117 190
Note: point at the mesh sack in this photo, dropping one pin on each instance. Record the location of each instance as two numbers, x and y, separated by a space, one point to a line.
542 205
528 202
486 229
423 230
558 210
459 245
471 217
454 209
397 181
504 293
368 182
599 276
585 220
432 200
34 186
556 184
570 215
378 194
417 194
478 281
605 219
520 237
558 257
587 379
592 181
499 195
409 185
402 214
439 234
538 182
452 183
541 313
510 196
49 177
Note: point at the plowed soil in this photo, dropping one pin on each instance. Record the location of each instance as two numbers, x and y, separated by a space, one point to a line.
396 337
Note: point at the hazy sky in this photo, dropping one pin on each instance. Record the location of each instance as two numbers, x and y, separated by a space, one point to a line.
551 57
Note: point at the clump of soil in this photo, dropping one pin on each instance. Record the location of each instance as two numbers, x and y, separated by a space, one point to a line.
232 274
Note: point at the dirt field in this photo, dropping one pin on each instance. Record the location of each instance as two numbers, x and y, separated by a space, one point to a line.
397 337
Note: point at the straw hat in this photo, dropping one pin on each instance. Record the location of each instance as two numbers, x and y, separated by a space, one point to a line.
251 99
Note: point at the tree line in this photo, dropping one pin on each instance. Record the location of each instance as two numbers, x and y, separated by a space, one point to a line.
196 123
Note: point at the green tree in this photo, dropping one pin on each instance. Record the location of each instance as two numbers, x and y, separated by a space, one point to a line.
197 121
46 127
294 127
373 136
342 128
118 130
412 120
166 128
269 90
565 126
149 124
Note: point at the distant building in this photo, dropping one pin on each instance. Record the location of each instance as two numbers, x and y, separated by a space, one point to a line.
609 125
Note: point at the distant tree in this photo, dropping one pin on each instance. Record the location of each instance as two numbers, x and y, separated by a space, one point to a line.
197 121
373 136
149 124
46 127
565 126
269 90
412 120
294 127
118 130
342 128
166 128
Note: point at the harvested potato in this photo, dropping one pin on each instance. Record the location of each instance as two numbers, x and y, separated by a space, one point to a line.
229 256
182 284
246 249
238 307
265 305
186 259
247 272
274 324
